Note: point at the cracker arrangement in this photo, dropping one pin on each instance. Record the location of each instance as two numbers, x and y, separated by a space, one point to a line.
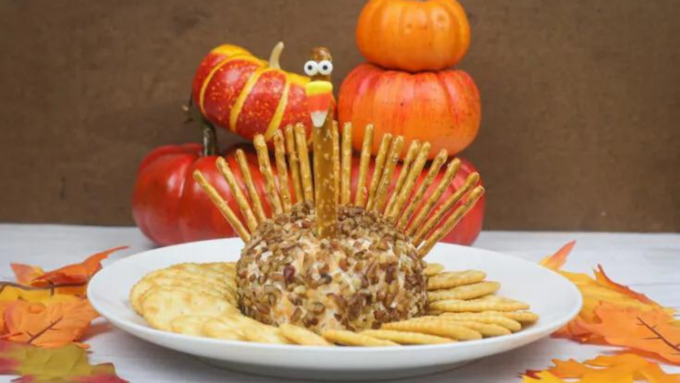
200 300
328 268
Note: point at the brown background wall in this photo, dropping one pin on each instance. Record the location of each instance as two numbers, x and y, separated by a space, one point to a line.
581 100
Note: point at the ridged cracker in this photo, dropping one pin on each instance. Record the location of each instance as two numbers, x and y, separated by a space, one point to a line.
526 317
302 336
486 329
403 337
477 305
485 317
475 290
349 338
449 279
433 268
441 327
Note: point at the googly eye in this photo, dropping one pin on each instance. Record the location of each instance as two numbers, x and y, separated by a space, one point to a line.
325 67
311 68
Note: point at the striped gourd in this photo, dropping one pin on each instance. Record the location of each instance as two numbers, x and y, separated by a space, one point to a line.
236 90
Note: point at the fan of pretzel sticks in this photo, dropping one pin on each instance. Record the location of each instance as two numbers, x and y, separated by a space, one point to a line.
404 206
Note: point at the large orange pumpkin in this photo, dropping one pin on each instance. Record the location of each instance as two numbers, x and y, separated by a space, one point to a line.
413 35
440 107
236 90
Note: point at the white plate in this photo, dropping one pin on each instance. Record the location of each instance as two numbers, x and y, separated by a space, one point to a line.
553 297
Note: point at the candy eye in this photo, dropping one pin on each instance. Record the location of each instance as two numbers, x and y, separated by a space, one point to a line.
325 67
311 68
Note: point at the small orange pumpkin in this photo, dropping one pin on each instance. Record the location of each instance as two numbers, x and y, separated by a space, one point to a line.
413 35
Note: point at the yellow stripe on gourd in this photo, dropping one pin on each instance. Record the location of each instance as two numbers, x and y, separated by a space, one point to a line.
278 114
238 106
206 81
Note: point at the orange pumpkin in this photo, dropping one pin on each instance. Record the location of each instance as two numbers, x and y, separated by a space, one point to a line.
440 107
236 90
413 35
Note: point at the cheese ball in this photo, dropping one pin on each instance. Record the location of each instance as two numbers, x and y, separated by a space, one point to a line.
369 274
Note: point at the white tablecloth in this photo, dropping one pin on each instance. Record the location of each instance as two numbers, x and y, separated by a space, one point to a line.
649 263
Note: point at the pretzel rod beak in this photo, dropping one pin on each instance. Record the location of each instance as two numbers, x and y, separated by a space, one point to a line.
319 100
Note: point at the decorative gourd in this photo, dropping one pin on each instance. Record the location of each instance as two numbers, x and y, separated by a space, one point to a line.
236 90
413 35
440 107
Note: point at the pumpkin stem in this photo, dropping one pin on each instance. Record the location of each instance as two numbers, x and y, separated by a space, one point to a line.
276 54
210 147
209 138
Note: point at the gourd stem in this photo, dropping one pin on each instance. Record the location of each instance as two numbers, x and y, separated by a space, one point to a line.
209 138
276 54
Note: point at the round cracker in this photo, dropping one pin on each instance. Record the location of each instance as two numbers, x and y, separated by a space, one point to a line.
403 337
218 328
162 304
302 336
485 317
189 324
349 338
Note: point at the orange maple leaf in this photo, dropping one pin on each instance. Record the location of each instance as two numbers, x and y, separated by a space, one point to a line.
623 368
70 279
648 331
557 260
49 326
595 291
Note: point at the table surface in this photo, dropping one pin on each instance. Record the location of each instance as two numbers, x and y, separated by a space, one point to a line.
646 262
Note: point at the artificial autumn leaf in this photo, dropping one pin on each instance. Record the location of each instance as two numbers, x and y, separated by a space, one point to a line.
648 331
13 292
623 368
25 274
70 279
49 326
64 364
594 291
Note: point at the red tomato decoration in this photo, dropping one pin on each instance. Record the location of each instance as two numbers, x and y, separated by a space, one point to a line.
440 107
468 229
238 91
169 207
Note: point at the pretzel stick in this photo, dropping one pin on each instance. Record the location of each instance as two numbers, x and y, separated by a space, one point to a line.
266 171
346 167
378 168
452 221
294 163
422 188
410 182
282 170
241 200
367 147
250 186
410 155
386 178
444 208
336 160
426 209
303 156
222 206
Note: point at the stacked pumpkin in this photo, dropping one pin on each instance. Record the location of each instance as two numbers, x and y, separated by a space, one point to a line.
404 90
